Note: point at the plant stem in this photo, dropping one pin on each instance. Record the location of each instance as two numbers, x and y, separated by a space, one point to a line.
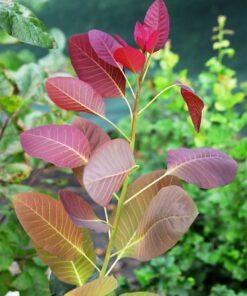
126 181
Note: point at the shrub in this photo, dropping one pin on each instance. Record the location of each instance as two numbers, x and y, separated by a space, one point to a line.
154 211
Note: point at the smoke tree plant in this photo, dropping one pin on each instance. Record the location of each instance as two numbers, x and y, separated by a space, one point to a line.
153 211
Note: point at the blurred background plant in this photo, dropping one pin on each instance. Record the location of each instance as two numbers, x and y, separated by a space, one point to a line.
212 258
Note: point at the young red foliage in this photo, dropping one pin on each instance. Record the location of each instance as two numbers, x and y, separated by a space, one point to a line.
146 37
157 18
131 58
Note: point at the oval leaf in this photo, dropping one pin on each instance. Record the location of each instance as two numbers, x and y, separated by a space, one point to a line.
106 170
104 45
48 225
100 287
194 103
75 272
168 217
73 94
80 212
62 145
130 57
107 80
204 167
96 137
133 211
145 37
157 18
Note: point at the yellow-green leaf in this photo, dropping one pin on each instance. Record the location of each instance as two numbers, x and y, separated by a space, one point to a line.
76 271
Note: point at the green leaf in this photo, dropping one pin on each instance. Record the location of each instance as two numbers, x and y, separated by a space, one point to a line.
5 38
6 88
22 282
19 22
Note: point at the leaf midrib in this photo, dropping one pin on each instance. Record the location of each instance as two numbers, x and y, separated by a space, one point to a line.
119 89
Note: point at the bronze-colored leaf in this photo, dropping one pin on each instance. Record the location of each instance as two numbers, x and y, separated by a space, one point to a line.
133 211
168 217
48 225
139 294
100 287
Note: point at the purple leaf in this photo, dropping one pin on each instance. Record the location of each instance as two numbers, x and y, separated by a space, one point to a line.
62 145
194 103
157 18
106 170
104 45
95 134
80 212
104 78
73 94
96 137
120 40
204 167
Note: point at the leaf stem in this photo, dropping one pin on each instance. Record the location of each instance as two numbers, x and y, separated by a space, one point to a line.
156 97
107 221
115 126
146 187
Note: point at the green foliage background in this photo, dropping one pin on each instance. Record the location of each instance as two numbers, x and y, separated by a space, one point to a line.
212 258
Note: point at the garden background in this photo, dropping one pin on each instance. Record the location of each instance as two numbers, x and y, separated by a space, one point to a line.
212 258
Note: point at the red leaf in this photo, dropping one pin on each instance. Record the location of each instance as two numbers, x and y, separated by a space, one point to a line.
80 212
130 57
73 94
194 103
157 18
62 145
204 167
145 37
120 40
107 80
107 169
104 45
